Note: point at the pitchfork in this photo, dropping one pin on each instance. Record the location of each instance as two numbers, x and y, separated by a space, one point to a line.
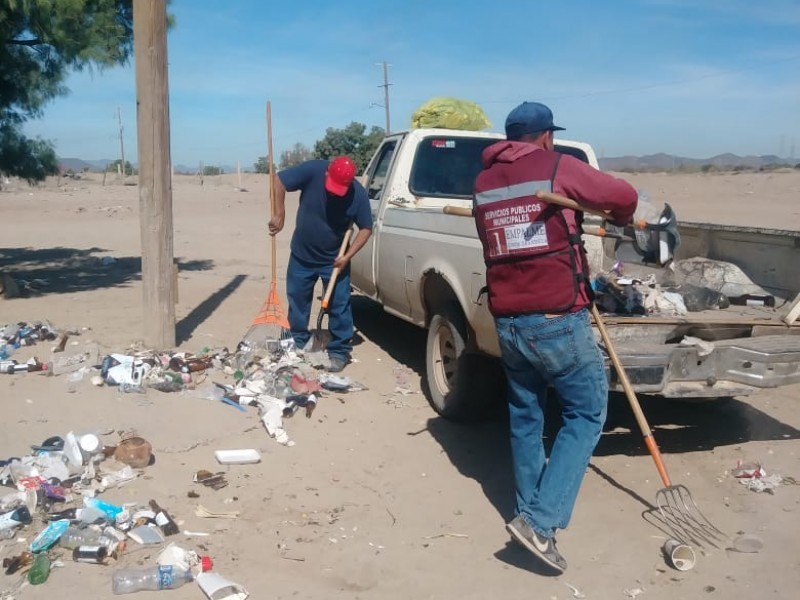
677 508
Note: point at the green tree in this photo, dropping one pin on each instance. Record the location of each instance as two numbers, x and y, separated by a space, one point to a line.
352 141
209 170
294 156
113 167
260 165
41 41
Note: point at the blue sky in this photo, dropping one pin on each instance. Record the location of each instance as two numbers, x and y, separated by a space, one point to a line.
689 77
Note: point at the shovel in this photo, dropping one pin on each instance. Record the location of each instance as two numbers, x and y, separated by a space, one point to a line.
654 242
318 337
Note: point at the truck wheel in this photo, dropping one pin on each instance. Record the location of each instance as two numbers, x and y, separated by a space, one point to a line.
459 384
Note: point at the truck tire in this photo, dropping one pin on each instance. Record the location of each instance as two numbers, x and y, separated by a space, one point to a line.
460 385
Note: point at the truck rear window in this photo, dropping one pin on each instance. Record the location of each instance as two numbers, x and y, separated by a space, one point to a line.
448 166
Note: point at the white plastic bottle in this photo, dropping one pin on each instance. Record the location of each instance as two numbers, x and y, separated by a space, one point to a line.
162 577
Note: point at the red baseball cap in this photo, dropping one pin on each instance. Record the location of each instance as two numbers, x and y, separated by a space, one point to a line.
341 172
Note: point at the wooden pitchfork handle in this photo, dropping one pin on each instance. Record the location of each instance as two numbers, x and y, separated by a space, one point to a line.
649 440
336 270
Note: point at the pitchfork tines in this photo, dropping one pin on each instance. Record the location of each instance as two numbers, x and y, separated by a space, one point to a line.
684 519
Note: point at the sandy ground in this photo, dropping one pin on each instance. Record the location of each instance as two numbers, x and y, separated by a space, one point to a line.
379 498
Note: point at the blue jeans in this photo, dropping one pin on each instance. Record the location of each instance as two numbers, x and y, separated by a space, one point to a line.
300 281
561 351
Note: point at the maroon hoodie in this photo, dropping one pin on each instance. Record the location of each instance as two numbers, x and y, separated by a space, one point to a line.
534 257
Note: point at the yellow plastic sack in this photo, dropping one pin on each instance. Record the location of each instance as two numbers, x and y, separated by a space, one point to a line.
450 113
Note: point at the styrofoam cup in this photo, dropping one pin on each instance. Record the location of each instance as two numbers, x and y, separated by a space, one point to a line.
679 555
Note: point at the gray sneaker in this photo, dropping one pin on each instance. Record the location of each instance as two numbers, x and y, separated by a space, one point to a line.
337 364
544 548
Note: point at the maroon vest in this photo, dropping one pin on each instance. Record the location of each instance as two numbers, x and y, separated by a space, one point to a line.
535 262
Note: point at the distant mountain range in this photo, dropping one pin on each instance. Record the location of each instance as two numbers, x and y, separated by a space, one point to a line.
652 162
78 165
669 162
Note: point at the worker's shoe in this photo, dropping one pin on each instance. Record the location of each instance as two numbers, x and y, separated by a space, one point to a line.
542 547
337 364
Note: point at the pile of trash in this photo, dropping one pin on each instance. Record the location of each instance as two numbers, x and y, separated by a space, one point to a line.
55 490
56 486
277 379
16 335
691 285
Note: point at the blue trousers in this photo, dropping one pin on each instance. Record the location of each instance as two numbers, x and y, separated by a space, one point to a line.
300 281
561 351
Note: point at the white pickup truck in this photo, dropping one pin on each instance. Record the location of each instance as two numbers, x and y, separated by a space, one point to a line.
426 267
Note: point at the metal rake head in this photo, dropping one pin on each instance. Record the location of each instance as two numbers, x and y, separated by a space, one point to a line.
684 519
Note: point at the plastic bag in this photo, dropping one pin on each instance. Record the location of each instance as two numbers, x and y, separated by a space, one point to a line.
450 113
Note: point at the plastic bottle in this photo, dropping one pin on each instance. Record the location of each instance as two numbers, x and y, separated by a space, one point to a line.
15 518
163 577
40 570
74 537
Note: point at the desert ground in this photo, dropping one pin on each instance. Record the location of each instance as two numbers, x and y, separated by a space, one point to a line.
379 497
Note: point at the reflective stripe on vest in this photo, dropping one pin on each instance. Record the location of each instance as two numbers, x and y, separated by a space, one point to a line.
532 249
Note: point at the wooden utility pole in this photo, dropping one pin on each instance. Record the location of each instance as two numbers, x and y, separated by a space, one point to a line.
385 87
155 188
121 144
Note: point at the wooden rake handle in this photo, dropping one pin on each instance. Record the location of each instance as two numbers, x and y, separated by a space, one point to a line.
335 273
649 440
271 171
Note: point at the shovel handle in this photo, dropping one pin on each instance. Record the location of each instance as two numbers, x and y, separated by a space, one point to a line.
335 273
649 440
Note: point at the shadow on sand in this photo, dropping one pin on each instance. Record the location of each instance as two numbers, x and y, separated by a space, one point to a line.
481 450
59 270
186 326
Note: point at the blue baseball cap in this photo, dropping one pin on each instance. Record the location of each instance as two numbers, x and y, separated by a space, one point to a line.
529 117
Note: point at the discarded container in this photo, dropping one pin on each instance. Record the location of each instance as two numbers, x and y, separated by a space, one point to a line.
75 537
90 554
15 518
237 457
111 511
15 563
163 520
679 555
48 536
176 556
40 570
134 451
90 445
132 388
217 587
163 577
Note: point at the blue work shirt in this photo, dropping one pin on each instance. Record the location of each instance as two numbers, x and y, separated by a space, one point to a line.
322 217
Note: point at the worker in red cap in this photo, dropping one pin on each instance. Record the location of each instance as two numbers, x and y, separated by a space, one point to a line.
330 201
